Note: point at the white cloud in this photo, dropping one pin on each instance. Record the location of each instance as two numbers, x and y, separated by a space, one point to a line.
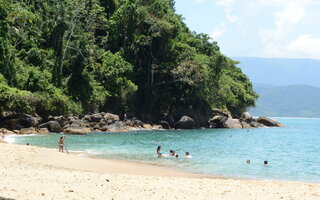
284 22
275 41
305 46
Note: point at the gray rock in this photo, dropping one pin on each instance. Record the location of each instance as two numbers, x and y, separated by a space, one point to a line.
60 119
232 123
72 118
113 117
137 123
164 124
30 121
128 122
109 121
96 117
246 117
185 123
87 117
117 126
19 121
52 126
76 131
269 122
217 121
104 128
255 124
96 127
245 125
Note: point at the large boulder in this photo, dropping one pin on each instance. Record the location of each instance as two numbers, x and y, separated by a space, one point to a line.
232 123
255 124
113 117
185 123
60 119
76 131
246 117
245 125
118 126
164 124
19 121
217 121
96 117
52 126
269 122
137 122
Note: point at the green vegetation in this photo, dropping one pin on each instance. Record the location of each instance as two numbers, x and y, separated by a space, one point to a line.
137 56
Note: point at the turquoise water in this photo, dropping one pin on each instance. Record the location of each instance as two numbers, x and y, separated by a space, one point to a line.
293 152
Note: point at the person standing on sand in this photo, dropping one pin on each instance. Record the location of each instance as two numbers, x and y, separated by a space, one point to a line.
61 144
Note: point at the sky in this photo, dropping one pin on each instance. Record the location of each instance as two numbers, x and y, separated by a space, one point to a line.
262 28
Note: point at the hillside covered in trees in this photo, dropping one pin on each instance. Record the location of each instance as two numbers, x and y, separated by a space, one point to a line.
134 56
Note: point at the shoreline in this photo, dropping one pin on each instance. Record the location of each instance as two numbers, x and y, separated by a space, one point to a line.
29 172
172 171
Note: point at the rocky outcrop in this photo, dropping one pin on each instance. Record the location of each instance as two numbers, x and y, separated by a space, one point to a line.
19 121
27 124
185 123
269 122
52 126
246 121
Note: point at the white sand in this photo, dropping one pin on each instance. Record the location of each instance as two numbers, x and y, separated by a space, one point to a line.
34 173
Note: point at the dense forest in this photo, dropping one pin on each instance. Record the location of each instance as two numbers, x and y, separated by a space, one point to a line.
124 56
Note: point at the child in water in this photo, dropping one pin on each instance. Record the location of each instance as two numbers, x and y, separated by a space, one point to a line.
188 155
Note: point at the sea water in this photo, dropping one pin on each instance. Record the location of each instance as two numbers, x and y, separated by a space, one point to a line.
293 152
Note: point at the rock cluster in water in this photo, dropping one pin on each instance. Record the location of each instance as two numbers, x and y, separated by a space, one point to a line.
27 124
246 121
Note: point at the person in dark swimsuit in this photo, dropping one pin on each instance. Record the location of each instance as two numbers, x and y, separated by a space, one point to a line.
61 144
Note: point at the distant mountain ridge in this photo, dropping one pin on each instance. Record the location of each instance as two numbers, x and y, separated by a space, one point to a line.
288 87
287 101
281 71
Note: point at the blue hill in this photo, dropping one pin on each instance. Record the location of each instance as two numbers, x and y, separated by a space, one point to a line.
287 101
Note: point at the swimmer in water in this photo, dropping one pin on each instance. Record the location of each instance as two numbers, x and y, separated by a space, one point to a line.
159 152
188 155
265 163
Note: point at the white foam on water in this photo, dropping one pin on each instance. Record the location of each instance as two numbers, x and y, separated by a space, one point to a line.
93 152
10 139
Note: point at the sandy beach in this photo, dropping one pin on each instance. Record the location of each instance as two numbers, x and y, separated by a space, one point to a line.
35 173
